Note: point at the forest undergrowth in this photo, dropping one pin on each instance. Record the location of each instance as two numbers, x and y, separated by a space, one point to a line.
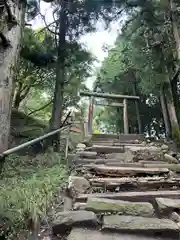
29 187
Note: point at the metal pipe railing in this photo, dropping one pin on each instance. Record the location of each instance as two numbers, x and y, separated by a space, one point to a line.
31 142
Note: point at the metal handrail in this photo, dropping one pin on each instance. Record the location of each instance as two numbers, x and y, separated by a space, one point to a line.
31 142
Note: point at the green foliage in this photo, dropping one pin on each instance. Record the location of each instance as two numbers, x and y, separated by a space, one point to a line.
28 187
38 48
35 80
142 62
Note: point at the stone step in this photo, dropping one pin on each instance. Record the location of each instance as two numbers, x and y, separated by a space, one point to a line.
104 136
103 205
132 196
79 206
64 221
120 164
109 162
86 154
138 224
138 153
89 234
116 143
120 137
165 204
107 149
85 161
105 143
126 171
151 162
172 167
135 183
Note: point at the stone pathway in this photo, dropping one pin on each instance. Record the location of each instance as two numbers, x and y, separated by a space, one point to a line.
121 189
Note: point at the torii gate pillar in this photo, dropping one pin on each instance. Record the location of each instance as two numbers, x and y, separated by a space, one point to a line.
125 116
125 99
90 115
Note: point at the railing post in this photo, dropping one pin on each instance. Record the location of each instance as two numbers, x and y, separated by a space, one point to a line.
125 117
67 145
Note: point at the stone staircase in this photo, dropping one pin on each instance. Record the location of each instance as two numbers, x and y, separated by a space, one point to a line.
121 188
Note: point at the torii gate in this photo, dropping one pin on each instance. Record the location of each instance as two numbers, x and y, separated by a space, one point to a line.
125 99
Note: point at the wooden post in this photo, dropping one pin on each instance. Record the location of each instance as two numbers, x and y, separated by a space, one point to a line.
67 145
125 117
90 117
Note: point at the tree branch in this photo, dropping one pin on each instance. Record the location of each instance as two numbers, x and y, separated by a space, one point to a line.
41 108
47 25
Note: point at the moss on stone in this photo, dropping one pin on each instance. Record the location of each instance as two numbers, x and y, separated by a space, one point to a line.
121 207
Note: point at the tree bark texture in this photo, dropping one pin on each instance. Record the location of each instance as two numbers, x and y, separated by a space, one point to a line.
60 76
175 27
170 104
9 55
165 113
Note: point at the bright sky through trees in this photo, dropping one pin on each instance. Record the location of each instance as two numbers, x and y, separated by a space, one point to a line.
94 42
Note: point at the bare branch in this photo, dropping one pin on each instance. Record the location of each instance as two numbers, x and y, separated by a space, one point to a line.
47 26
41 108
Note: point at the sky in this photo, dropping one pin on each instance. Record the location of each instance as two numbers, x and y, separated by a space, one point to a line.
93 41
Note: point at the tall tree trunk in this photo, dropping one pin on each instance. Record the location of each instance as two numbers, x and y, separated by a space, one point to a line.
170 104
137 108
175 95
60 76
165 113
9 53
175 27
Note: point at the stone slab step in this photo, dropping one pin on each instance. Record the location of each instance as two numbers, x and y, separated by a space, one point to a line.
172 167
120 137
138 224
126 171
86 154
91 234
107 149
151 162
168 204
64 221
85 161
115 143
109 162
79 206
104 136
133 196
120 164
136 183
103 205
